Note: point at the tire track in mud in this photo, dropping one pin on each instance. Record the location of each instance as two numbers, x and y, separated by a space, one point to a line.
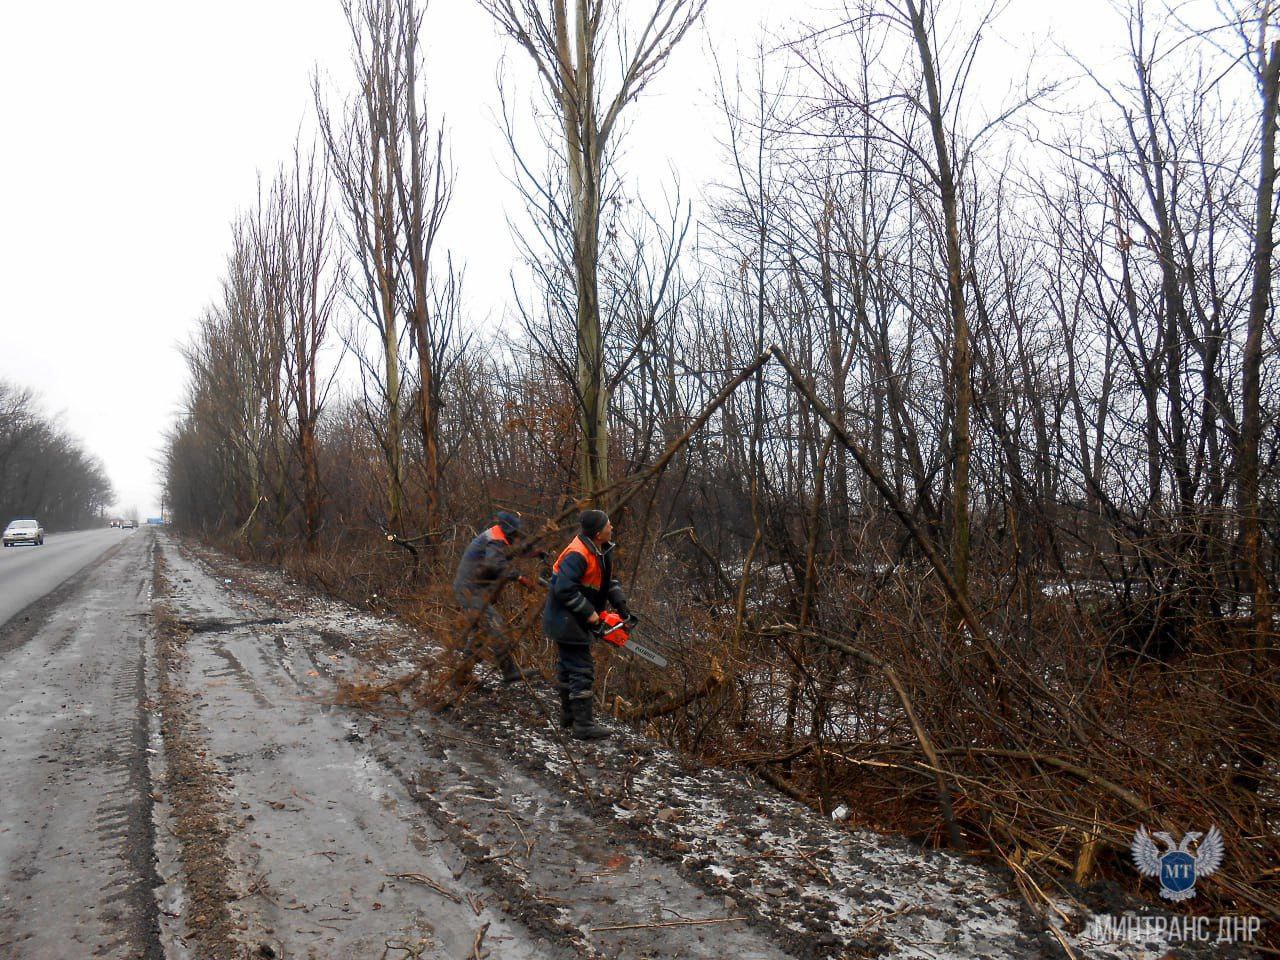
76 837
197 814
566 869
498 835
326 854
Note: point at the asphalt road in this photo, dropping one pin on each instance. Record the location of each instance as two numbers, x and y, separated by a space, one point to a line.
28 573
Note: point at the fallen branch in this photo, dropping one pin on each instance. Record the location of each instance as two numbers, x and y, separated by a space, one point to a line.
1128 796
922 737
665 923
479 942
779 782
528 844
672 702
410 950
427 882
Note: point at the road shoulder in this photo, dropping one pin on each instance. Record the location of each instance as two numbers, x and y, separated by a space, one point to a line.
661 859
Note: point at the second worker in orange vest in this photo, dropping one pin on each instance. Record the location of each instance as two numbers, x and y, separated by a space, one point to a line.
582 587
484 568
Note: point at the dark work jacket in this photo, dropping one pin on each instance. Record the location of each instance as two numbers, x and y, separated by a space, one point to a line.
485 561
570 602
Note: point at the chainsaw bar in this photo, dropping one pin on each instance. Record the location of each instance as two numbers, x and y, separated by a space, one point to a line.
644 653
635 649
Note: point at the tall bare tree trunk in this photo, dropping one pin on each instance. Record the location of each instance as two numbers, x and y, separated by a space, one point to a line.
382 259
424 191
379 230
1259 300
961 356
568 63
579 118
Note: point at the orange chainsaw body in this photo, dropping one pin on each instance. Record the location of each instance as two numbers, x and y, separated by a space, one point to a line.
614 633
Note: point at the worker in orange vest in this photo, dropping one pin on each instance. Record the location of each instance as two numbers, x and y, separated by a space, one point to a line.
581 588
484 568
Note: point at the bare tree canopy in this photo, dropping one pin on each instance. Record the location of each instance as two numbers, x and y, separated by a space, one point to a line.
566 43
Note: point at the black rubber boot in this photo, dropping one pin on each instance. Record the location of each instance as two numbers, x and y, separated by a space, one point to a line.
584 728
511 673
566 711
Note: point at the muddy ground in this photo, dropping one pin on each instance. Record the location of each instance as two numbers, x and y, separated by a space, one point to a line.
179 778
350 832
76 832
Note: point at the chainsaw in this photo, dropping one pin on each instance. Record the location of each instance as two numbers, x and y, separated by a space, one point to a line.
617 631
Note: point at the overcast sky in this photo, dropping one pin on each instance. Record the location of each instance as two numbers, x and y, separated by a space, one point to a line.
134 131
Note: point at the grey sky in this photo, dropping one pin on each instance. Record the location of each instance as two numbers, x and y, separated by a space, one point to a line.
135 131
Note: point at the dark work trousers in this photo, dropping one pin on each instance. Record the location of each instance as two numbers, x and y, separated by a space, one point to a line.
575 669
490 622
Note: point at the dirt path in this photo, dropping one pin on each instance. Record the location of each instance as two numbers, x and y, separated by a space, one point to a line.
348 830
76 871
319 830
344 839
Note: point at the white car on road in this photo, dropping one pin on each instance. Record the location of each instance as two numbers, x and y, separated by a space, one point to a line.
23 531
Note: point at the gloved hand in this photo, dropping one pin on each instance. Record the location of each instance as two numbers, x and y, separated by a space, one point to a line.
618 599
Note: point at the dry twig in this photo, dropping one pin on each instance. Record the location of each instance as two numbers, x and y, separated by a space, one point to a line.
666 923
427 882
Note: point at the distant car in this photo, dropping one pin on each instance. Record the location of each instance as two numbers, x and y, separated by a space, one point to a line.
115 522
23 531
127 525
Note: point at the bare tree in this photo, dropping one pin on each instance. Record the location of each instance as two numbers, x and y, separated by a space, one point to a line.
360 155
565 42
920 115
423 185
1267 66
944 177
295 262
390 166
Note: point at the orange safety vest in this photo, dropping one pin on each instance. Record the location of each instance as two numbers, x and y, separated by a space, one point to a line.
593 577
496 532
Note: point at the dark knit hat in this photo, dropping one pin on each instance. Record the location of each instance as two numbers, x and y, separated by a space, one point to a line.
593 521
510 524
